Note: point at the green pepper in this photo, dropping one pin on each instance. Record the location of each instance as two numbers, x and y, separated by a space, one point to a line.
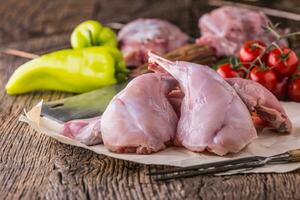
92 33
70 70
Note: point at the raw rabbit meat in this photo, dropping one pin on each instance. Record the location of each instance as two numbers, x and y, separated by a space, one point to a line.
227 28
175 98
213 117
140 118
86 131
261 101
143 35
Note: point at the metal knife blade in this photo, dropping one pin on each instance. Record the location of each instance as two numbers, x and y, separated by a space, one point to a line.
84 105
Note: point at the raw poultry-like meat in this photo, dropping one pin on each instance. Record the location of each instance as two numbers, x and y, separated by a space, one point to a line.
213 116
261 101
227 28
86 131
143 35
175 98
140 118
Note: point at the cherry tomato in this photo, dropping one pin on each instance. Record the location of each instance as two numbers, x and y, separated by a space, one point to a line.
265 77
226 71
283 61
294 89
281 89
250 51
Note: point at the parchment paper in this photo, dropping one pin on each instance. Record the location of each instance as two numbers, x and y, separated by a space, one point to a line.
267 144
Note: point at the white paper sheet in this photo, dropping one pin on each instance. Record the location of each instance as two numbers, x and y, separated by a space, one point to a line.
267 144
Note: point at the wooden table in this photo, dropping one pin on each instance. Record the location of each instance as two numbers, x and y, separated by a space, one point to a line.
33 166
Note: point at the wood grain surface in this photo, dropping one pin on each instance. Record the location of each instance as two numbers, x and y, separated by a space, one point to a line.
33 166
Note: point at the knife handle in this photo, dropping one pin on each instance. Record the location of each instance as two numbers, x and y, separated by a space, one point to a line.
295 155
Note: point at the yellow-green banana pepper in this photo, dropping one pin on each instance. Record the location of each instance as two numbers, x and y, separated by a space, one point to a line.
71 70
92 33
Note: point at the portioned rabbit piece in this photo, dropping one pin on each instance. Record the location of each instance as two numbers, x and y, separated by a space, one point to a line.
213 116
227 28
86 131
263 102
140 118
143 35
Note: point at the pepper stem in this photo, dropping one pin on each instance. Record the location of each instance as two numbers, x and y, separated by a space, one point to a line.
91 37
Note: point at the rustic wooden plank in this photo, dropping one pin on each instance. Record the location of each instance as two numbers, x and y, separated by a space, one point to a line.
29 18
40 18
33 166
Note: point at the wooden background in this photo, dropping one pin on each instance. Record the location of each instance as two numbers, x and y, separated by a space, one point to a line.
33 166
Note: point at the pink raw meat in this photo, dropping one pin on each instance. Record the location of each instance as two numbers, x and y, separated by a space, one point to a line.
213 116
143 35
175 98
260 100
227 28
86 131
140 118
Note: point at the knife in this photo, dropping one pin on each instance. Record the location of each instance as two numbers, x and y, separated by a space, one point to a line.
225 166
81 106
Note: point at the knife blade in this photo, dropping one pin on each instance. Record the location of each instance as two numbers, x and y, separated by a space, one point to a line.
84 105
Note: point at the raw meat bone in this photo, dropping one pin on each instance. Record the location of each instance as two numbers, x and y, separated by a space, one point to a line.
260 100
140 118
213 117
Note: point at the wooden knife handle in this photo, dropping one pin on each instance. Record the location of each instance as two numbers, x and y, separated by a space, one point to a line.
295 155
